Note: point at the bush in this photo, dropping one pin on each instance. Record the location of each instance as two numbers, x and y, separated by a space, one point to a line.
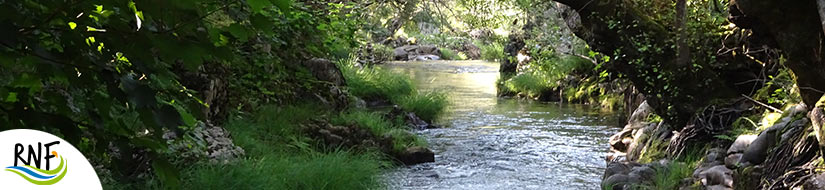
427 105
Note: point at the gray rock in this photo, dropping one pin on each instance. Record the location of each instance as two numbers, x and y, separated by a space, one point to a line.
614 168
325 70
718 187
715 154
616 141
732 160
741 144
644 173
717 175
416 155
641 113
815 182
616 182
757 151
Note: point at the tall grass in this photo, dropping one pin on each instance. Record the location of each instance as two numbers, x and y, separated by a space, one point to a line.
532 84
376 83
380 126
427 105
334 170
492 51
449 54
272 128
279 156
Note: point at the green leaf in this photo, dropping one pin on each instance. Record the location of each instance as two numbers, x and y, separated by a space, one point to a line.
284 5
167 173
239 32
72 25
258 5
167 116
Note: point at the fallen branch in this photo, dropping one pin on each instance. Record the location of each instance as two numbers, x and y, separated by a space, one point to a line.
763 104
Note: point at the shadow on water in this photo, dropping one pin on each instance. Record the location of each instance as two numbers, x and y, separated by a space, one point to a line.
496 143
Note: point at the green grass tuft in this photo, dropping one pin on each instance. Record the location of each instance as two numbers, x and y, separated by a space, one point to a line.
427 105
334 170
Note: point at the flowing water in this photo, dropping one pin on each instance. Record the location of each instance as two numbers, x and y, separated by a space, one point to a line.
496 143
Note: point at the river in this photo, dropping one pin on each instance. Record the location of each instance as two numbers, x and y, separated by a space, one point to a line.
498 143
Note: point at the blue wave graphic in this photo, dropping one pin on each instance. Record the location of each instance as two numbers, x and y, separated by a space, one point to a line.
30 172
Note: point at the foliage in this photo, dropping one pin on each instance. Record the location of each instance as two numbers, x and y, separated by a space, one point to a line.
779 90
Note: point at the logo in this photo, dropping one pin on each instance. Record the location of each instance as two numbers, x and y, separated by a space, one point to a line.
36 174
33 159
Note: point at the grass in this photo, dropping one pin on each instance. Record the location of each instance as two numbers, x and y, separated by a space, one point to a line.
279 156
334 170
426 105
272 128
375 83
449 54
380 126
492 52
532 84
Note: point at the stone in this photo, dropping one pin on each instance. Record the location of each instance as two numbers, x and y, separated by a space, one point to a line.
715 154
616 141
416 155
757 151
732 160
815 182
718 187
614 168
645 173
616 182
741 144
641 113
717 175
325 70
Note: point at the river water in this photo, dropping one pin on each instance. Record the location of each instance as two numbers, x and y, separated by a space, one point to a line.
496 143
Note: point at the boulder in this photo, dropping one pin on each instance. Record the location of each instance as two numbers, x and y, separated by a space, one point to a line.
641 113
757 151
717 175
741 144
614 168
616 182
732 160
617 140
815 182
416 155
325 70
